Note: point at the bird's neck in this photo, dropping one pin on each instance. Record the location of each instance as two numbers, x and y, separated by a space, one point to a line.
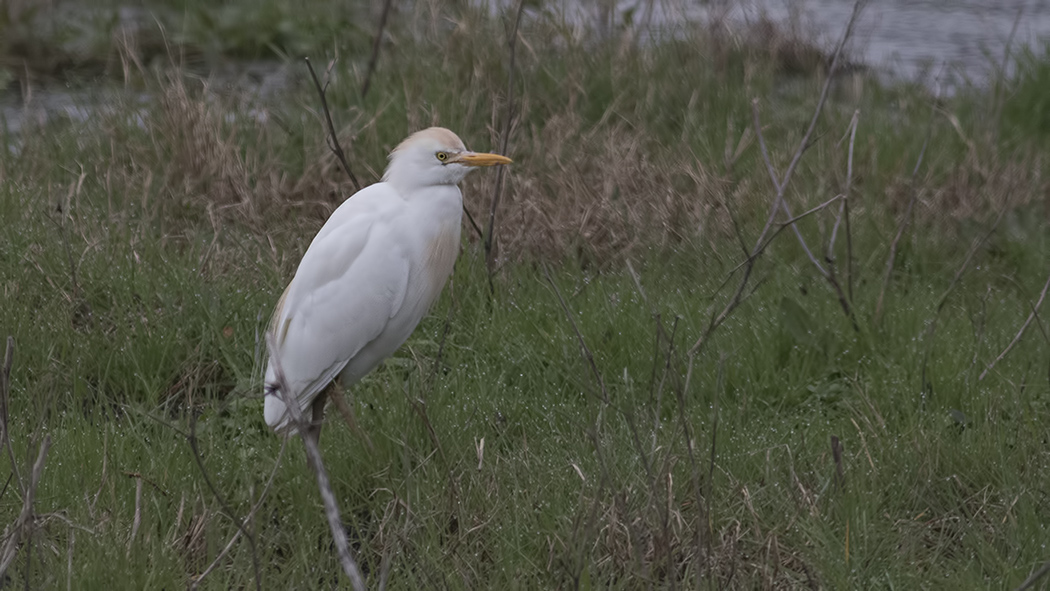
438 201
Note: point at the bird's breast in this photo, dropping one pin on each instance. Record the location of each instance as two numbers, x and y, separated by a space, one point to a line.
440 257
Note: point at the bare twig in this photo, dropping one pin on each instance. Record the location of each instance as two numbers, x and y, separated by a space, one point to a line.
197 580
932 326
892 257
781 185
1032 580
150 482
7 483
5 405
974 247
790 222
584 349
333 145
1020 333
313 455
844 212
192 438
26 516
504 143
376 43
893 247
781 226
627 413
473 224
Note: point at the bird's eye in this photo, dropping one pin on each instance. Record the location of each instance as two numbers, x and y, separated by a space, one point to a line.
442 156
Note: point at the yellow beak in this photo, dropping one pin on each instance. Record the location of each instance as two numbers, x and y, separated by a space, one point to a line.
481 159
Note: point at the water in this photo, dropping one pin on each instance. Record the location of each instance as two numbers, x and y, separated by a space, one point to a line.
962 41
945 41
958 40
908 38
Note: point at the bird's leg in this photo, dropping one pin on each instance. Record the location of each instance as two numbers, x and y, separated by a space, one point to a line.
317 419
345 408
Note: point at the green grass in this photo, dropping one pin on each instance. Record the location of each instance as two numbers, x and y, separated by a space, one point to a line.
508 467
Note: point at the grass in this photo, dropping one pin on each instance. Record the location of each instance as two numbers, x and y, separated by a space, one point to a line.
146 246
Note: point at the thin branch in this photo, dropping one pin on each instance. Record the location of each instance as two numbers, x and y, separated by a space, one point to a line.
781 226
828 274
313 455
737 230
5 406
1032 580
26 516
844 211
584 349
974 247
505 141
585 352
197 580
666 371
473 224
334 144
766 239
804 144
781 184
376 43
893 247
932 327
192 438
1038 319
1020 333
890 260
790 222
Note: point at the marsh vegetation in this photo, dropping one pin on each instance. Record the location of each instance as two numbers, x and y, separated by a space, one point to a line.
645 383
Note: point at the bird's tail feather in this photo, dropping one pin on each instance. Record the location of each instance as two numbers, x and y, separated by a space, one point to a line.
276 413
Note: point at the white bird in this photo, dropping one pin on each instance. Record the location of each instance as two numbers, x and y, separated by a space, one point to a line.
370 274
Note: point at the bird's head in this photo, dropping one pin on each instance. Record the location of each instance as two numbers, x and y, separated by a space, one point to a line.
434 156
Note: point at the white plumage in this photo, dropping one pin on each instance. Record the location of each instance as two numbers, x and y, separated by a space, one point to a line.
371 273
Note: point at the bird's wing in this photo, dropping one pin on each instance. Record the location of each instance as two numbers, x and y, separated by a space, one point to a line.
351 281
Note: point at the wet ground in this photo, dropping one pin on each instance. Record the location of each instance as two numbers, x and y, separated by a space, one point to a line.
908 38
962 40
950 41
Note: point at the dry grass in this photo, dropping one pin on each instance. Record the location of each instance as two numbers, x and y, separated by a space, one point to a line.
654 168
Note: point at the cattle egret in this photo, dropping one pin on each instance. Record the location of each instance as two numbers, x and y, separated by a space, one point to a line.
370 274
